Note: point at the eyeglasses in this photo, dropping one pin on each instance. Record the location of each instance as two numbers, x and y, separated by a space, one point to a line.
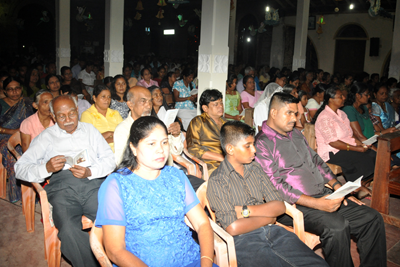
72 115
15 89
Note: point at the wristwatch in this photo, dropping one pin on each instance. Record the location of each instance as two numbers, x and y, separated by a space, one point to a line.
245 212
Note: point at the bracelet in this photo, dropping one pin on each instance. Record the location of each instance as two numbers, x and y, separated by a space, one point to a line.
207 258
337 182
348 147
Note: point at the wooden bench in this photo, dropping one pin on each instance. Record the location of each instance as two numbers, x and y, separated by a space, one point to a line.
386 181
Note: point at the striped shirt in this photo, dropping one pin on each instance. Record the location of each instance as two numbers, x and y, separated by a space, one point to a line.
227 189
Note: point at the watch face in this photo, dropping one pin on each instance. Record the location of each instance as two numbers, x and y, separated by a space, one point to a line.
246 213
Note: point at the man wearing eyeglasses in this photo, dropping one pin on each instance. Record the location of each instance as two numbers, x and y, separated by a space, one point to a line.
72 190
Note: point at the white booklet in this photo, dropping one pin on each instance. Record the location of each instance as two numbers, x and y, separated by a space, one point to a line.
170 116
194 92
347 188
397 126
371 140
81 159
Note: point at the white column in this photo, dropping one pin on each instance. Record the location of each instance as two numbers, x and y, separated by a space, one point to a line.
277 46
394 67
62 34
300 42
213 50
232 33
114 32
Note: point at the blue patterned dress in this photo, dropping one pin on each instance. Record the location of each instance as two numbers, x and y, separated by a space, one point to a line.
153 213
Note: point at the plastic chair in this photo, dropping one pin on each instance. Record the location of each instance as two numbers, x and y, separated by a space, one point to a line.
309 239
3 179
220 237
309 134
52 244
191 163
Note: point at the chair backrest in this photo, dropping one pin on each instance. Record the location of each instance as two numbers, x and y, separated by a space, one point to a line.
309 134
248 116
14 140
96 243
202 196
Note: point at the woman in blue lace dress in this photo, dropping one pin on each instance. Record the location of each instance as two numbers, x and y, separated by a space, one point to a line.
382 108
142 206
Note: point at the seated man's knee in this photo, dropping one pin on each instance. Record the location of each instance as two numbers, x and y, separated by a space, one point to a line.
336 225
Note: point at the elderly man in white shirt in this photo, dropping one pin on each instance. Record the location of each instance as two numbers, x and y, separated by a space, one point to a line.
72 190
140 103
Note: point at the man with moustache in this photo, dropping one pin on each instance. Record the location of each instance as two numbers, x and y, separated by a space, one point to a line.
300 175
141 104
72 190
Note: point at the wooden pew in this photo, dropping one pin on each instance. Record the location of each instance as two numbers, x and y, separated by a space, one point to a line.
386 181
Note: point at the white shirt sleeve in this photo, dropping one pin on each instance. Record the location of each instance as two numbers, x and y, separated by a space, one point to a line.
260 114
80 76
31 167
121 135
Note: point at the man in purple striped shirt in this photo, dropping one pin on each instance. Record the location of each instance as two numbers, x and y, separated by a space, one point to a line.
299 175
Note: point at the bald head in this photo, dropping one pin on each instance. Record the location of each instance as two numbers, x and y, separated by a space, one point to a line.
139 102
64 109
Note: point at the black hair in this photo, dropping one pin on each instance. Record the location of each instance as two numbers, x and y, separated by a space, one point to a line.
164 103
325 76
65 89
279 75
347 76
4 74
293 77
168 75
89 63
389 82
320 88
64 69
233 132
140 129
28 74
288 88
319 71
379 86
108 79
231 77
142 71
373 75
126 66
100 88
281 97
10 79
361 76
329 93
48 77
245 79
301 94
209 95
113 91
356 88
76 88
187 72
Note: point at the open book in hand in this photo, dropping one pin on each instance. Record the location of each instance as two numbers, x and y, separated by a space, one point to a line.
346 189
371 140
81 159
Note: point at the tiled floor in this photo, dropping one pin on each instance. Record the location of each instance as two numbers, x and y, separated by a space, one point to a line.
20 248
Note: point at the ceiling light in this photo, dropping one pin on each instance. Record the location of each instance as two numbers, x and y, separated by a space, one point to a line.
351 6
267 9
248 39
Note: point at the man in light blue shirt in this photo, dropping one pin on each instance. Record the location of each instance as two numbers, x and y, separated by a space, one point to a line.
72 190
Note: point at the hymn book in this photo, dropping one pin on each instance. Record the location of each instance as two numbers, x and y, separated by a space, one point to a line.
81 159
371 140
346 189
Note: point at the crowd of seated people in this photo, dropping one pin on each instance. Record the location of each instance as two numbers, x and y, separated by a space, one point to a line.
119 121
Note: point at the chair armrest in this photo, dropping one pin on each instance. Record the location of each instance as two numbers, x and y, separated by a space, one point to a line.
198 161
298 222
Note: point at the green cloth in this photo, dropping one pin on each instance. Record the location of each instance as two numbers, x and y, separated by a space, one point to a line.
231 104
363 119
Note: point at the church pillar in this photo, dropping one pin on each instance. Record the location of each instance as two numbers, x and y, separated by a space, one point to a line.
232 33
277 46
62 34
300 42
394 67
213 50
114 33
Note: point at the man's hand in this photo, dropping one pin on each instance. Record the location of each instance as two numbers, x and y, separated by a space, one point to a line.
55 164
355 200
80 172
174 129
329 205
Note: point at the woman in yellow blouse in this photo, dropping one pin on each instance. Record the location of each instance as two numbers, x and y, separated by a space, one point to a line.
103 118
203 133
